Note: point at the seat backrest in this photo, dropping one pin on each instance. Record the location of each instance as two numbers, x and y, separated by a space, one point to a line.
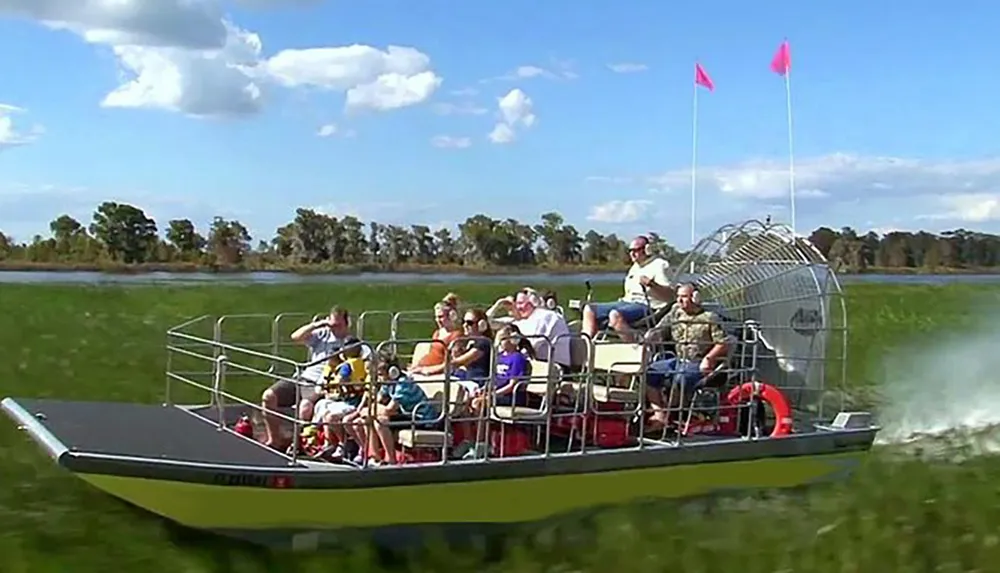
543 371
435 395
607 354
578 352
420 350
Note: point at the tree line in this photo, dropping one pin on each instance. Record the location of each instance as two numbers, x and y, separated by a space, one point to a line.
121 234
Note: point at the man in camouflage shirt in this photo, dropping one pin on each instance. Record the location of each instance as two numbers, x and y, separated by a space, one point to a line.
700 343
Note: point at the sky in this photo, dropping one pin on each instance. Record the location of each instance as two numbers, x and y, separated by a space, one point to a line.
429 111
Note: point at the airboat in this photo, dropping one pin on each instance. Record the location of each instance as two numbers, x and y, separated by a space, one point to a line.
772 417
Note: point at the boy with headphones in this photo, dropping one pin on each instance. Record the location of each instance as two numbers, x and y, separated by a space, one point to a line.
646 290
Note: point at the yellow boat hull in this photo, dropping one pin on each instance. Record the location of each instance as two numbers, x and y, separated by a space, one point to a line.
499 501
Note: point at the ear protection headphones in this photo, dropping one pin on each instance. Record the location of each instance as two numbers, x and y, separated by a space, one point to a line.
452 311
394 372
550 301
647 245
392 369
533 297
695 293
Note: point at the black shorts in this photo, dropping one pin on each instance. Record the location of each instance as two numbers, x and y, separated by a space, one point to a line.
284 391
517 398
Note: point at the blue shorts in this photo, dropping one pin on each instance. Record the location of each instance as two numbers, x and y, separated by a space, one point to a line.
689 373
630 311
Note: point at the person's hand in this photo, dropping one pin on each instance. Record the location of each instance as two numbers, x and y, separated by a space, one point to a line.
706 365
645 281
506 301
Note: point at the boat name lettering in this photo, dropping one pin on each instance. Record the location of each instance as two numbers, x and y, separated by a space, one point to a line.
251 480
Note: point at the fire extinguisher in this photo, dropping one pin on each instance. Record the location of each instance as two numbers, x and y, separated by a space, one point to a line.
244 426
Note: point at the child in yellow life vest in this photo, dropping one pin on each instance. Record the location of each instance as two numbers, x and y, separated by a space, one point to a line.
345 377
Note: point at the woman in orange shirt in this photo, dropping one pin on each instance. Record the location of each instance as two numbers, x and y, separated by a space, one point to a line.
448 329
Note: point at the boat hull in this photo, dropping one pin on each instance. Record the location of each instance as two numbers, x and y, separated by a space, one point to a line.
270 499
253 512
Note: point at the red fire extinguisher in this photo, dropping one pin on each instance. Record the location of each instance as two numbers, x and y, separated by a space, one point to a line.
244 426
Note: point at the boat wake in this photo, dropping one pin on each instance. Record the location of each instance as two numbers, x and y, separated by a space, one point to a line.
944 396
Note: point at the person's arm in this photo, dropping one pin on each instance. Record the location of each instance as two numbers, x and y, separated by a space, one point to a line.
659 285
303 333
655 334
518 370
720 344
503 303
476 351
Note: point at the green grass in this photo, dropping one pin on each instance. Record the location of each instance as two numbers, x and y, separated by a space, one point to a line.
108 343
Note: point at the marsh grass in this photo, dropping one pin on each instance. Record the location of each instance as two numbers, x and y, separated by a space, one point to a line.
107 343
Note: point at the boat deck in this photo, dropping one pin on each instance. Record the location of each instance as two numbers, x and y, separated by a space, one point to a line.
140 431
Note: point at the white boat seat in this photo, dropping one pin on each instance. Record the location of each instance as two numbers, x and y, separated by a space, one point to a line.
435 394
519 414
618 357
602 393
410 438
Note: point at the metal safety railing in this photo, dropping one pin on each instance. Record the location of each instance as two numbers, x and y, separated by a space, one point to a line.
602 381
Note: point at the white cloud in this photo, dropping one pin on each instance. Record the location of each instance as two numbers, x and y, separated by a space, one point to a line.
376 79
201 83
515 109
836 189
466 108
560 69
627 68
620 211
332 129
502 133
451 142
184 56
968 207
11 134
173 23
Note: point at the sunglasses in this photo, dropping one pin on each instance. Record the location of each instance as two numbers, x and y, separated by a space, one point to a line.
470 322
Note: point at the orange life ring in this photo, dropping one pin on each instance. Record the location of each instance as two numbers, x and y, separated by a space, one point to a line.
774 398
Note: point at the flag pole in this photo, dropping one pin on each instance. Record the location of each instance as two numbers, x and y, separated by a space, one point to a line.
791 146
694 162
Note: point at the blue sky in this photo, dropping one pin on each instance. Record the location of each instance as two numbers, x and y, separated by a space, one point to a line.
249 109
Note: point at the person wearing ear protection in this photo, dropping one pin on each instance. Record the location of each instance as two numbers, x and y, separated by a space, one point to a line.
345 388
471 360
700 343
541 327
448 328
646 290
400 399
323 338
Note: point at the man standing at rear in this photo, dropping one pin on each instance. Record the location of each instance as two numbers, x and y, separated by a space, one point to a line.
647 290
322 338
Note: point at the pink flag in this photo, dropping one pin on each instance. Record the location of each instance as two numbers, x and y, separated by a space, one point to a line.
782 61
701 77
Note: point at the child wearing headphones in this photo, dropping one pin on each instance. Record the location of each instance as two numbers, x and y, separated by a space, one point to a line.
345 376
512 366
400 399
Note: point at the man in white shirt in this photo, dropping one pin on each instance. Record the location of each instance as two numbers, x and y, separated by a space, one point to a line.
535 320
647 290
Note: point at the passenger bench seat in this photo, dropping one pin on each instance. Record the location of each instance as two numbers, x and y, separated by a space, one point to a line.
422 438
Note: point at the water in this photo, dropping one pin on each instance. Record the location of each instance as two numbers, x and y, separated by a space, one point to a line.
88 277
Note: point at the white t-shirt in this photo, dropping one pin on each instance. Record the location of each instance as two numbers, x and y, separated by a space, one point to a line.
548 323
656 269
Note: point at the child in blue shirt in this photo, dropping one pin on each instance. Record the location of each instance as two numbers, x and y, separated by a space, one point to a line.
400 399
